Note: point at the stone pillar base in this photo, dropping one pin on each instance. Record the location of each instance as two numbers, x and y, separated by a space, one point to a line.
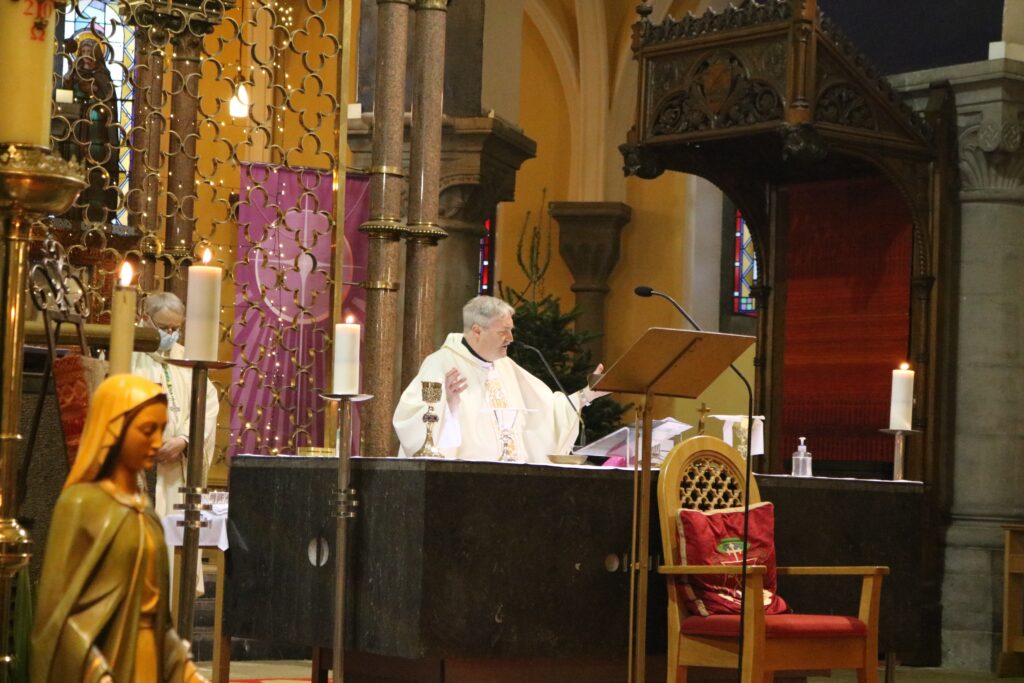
972 596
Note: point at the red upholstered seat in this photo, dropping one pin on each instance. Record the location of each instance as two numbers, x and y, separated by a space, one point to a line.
705 473
777 626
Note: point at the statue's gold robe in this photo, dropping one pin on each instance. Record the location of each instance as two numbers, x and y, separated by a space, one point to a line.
105 566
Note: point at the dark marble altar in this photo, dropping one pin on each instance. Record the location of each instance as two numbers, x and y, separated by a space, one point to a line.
462 561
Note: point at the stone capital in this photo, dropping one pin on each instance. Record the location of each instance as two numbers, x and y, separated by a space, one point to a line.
989 100
588 239
480 156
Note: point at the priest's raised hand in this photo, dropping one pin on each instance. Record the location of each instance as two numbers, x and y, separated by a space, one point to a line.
492 407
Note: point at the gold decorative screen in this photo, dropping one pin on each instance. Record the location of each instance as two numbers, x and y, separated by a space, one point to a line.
255 179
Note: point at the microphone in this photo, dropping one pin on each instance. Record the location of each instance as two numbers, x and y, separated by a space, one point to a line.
646 291
551 373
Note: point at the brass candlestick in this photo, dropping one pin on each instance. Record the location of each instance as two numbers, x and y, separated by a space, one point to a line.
431 395
346 510
33 183
193 490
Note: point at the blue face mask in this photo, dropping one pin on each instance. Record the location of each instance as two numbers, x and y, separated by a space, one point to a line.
167 339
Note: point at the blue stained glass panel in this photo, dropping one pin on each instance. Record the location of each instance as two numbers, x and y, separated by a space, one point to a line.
744 270
102 18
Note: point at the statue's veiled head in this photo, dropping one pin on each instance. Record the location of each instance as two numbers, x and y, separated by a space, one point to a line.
117 403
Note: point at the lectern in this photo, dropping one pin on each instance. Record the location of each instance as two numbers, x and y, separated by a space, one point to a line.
662 362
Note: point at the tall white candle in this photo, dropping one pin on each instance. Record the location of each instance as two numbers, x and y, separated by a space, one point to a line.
202 311
346 358
26 77
901 407
122 323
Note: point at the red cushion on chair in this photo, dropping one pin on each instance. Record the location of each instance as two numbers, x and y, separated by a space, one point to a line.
713 538
777 626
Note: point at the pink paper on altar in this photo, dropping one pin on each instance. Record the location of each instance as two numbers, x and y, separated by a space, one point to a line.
282 329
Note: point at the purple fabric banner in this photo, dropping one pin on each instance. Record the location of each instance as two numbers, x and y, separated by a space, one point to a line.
282 329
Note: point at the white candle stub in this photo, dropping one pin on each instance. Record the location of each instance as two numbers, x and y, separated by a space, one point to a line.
901 407
202 311
346 358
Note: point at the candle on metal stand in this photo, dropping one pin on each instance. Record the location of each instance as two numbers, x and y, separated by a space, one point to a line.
901 407
346 357
26 79
122 323
202 312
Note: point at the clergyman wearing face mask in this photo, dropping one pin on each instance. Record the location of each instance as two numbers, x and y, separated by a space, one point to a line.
165 313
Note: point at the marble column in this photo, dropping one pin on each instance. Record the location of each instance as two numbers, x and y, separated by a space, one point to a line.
988 461
181 171
588 240
146 161
423 232
384 228
479 159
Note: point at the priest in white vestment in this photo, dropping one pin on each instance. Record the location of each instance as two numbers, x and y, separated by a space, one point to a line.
490 407
166 313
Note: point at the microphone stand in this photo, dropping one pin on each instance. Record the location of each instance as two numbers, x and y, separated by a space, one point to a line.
647 292
579 411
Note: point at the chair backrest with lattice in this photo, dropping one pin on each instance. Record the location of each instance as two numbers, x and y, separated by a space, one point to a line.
702 473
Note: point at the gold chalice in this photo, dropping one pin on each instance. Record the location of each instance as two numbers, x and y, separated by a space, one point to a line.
431 395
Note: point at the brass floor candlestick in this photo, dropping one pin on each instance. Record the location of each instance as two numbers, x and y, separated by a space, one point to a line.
346 510
195 487
34 183
899 451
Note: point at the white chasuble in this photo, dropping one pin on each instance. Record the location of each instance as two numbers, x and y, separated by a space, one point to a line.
545 423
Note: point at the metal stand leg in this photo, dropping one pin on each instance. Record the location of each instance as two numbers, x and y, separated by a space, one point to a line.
346 504
195 487
899 456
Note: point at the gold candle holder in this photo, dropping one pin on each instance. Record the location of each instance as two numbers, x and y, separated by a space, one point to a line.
431 395
34 182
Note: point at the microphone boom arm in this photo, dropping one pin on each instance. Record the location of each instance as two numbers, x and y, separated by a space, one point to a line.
579 411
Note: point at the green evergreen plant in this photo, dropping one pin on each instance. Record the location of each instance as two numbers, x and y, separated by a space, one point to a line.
540 322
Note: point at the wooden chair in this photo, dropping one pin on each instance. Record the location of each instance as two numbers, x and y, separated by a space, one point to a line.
704 473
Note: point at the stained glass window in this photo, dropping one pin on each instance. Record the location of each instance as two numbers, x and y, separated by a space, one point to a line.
99 20
744 270
487 259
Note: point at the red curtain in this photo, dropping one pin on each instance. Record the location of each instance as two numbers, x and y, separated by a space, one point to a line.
847 316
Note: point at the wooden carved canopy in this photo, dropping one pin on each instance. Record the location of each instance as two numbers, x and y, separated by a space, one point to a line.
768 93
774 89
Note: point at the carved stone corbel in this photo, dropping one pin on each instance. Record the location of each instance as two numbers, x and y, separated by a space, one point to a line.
588 240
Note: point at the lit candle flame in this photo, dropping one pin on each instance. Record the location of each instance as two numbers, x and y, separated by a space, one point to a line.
126 274
904 366
207 256
350 318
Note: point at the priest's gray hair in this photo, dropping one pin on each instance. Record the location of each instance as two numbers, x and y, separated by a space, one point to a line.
160 301
483 310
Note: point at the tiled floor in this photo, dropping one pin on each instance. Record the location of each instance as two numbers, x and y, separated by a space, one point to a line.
300 670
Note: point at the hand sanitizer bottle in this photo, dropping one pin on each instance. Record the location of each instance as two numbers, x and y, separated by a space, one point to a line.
802 460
